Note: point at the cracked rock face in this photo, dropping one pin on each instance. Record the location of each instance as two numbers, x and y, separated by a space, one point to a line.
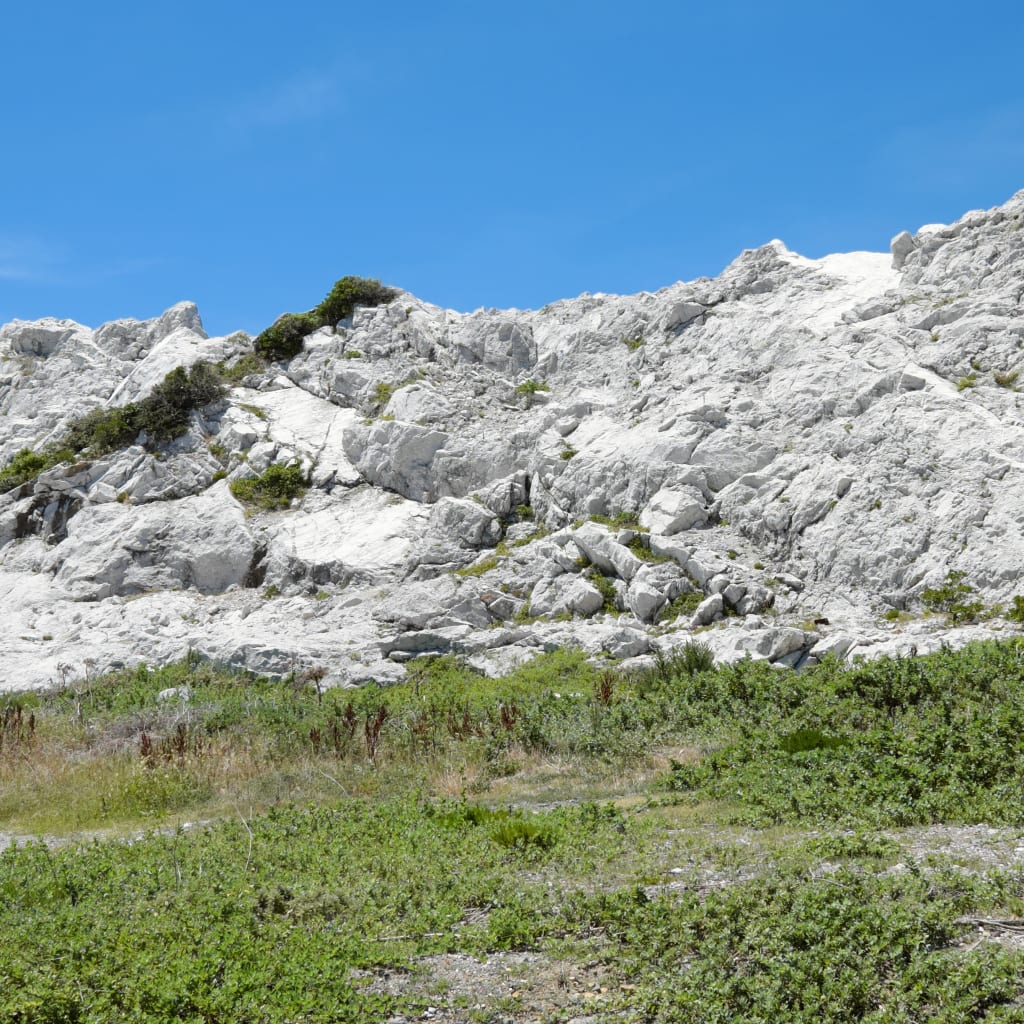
767 462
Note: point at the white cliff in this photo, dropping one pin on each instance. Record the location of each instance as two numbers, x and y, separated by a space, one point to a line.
795 440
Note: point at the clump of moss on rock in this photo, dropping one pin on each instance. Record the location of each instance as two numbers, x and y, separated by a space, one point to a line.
284 338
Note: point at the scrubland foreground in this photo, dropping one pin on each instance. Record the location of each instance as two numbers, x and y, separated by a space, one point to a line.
568 843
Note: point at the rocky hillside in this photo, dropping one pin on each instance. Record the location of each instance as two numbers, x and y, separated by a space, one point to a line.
787 460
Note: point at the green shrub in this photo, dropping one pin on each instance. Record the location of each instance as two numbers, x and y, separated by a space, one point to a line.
1006 380
516 833
1016 612
348 293
25 465
953 599
284 338
277 488
249 364
684 604
163 414
606 589
382 392
799 741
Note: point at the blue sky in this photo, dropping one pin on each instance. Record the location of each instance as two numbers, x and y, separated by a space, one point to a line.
245 156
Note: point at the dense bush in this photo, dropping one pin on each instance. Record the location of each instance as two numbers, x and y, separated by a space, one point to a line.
893 742
283 339
25 465
348 293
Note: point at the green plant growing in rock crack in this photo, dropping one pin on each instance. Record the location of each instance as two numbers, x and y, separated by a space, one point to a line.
276 488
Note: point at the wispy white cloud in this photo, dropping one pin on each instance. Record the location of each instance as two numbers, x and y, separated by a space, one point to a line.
301 99
33 261
26 260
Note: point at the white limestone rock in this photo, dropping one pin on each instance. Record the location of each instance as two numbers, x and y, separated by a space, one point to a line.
805 415
673 510
468 523
707 611
598 546
565 595
199 542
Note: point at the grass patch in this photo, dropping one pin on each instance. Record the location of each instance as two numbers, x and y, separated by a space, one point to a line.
277 488
479 568
250 364
682 607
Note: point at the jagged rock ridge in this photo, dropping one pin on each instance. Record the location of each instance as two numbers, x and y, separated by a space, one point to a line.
795 440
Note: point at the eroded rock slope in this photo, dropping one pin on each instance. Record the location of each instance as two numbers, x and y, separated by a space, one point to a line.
778 462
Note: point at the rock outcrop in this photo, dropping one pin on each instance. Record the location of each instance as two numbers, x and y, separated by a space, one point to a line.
776 462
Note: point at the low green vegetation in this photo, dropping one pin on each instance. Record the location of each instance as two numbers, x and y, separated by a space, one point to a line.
729 845
912 741
160 417
251 364
955 598
1015 613
284 338
606 588
531 387
382 393
485 565
620 520
683 606
276 488
640 545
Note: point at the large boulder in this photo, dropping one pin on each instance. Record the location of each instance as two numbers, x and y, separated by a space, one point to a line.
200 542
